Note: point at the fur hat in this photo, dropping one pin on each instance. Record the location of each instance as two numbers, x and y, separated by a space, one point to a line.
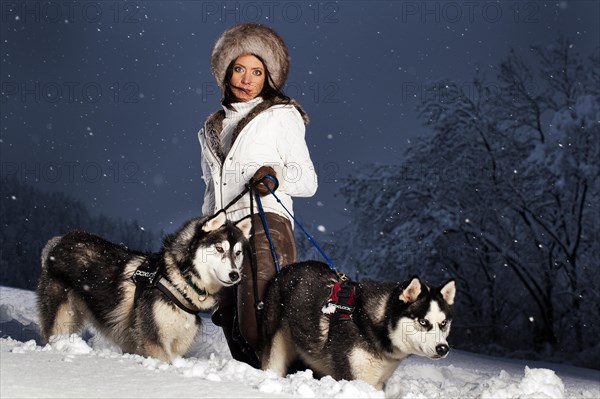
251 38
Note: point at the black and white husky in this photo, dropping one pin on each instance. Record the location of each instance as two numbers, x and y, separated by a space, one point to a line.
380 323
86 278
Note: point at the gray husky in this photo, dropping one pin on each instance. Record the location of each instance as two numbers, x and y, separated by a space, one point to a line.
86 278
361 331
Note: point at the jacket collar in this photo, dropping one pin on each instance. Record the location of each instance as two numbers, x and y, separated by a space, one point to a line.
214 123
241 109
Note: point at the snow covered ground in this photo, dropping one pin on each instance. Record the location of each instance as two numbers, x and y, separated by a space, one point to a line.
91 367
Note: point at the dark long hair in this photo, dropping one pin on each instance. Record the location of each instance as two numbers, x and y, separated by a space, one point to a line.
269 90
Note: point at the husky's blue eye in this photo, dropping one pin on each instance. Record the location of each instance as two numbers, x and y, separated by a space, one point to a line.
443 323
423 322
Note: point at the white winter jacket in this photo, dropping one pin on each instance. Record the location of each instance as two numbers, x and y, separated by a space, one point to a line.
271 134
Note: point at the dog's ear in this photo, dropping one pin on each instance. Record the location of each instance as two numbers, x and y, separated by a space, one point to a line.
410 293
245 225
216 221
448 291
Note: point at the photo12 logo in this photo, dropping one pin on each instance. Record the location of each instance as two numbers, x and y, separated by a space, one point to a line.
470 11
70 92
315 92
458 92
34 11
71 172
273 11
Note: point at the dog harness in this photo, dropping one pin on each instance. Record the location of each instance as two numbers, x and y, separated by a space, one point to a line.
340 304
150 275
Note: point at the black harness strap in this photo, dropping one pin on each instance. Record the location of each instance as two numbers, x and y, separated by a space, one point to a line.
146 275
174 299
343 299
150 274
247 187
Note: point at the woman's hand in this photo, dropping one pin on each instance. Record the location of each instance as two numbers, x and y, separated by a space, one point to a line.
260 181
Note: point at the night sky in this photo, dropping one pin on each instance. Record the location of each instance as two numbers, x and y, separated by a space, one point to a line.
103 100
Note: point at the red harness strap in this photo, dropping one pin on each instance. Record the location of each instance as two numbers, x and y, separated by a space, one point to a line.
340 304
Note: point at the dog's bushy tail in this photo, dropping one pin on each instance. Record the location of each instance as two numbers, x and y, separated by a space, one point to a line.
53 242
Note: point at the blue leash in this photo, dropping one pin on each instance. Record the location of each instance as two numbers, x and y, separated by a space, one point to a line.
263 218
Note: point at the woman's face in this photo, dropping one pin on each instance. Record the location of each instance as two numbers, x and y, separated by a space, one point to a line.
248 77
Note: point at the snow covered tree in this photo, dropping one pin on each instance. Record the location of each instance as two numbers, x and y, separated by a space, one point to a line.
504 196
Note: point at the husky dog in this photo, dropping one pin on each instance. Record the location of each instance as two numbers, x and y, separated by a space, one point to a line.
86 278
377 326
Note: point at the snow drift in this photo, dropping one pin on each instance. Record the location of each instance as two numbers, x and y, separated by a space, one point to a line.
89 366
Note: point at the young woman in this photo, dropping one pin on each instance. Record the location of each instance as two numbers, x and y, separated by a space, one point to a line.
259 132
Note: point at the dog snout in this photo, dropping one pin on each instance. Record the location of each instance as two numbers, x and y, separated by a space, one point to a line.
442 349
234 276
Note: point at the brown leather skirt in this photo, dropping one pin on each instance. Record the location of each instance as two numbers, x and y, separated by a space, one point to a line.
248 295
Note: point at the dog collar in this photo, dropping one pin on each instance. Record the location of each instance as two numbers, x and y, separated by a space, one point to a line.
202 294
